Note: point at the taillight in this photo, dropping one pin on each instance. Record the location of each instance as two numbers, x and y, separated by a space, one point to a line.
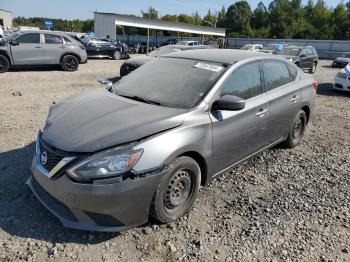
315 84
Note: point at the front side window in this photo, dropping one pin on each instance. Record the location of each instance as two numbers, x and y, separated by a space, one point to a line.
53 39
32 38
244 82
275 74
170 82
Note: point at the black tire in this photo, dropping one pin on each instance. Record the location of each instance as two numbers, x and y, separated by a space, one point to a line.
297 131
70 63
177 190
117 55
4 64
313 68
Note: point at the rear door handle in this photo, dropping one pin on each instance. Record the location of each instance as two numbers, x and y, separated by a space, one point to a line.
38 47
261 112
294 98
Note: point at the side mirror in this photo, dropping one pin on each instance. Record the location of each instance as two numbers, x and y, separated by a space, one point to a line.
302 55
14 42
229 103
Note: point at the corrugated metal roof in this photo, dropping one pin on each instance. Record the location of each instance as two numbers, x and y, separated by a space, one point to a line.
157 24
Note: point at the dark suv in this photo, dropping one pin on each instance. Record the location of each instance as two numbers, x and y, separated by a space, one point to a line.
304 57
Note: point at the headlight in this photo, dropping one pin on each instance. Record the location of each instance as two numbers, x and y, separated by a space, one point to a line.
110 163
341 74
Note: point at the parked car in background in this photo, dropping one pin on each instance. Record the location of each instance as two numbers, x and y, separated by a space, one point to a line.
170 41
103 48
22 48
187 43
341 61
144 147
252 47
305 57
131 64
272 48
342 79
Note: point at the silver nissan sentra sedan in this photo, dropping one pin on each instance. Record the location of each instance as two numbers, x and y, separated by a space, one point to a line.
108 160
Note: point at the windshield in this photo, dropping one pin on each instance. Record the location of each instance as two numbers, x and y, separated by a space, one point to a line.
289 51
170 82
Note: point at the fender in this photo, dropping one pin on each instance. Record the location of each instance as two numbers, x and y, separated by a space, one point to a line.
70 53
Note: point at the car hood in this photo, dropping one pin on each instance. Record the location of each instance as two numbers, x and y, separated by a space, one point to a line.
99 119
342 60
139 61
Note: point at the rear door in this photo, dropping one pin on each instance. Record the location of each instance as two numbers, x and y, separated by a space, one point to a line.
238 134
304 59
283 94
29 51
54 48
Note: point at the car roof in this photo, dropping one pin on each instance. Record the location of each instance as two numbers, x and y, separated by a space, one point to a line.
41 32
224 56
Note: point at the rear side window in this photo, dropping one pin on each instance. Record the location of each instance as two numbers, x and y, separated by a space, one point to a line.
53 39
29 39
67 40
293 72
244 82
276 74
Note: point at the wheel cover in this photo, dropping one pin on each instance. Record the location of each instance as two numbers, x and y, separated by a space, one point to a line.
298 129
179 191
116 55
71 63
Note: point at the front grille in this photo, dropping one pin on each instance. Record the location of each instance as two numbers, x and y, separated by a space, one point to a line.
53 156
52 202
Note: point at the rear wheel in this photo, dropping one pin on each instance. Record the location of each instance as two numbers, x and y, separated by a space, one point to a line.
116 55
70 63
177 190
4 64
313 68
297 132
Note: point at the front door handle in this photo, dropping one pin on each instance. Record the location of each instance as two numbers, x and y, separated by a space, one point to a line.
294 98
261 112
38 47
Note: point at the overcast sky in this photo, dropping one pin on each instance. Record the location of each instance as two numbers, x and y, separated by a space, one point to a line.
82 9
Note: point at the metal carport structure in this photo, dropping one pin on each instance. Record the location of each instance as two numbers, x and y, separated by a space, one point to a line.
105 25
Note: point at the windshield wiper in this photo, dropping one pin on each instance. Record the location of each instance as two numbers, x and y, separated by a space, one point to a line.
141 99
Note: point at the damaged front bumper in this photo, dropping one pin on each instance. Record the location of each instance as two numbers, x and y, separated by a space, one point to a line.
97 207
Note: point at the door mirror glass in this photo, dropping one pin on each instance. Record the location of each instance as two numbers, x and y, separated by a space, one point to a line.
14 42
302 55
229 103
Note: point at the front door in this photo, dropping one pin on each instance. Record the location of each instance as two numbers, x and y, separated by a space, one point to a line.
29 51
239 134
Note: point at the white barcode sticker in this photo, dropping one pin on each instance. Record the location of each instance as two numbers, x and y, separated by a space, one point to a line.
215 68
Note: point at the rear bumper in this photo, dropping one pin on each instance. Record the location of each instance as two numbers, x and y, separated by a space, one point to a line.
96 207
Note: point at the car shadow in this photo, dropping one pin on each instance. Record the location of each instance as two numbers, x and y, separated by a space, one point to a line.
326 89
36 68
22 214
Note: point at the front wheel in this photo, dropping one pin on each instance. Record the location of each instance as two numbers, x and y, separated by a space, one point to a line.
297 132
177 190
116 55
70 63
4 64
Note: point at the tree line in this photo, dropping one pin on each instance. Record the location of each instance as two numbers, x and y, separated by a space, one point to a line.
280 19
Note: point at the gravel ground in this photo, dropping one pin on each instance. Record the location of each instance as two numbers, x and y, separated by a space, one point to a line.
283 205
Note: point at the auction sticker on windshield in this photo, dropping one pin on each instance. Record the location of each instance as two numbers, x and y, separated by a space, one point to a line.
210 67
